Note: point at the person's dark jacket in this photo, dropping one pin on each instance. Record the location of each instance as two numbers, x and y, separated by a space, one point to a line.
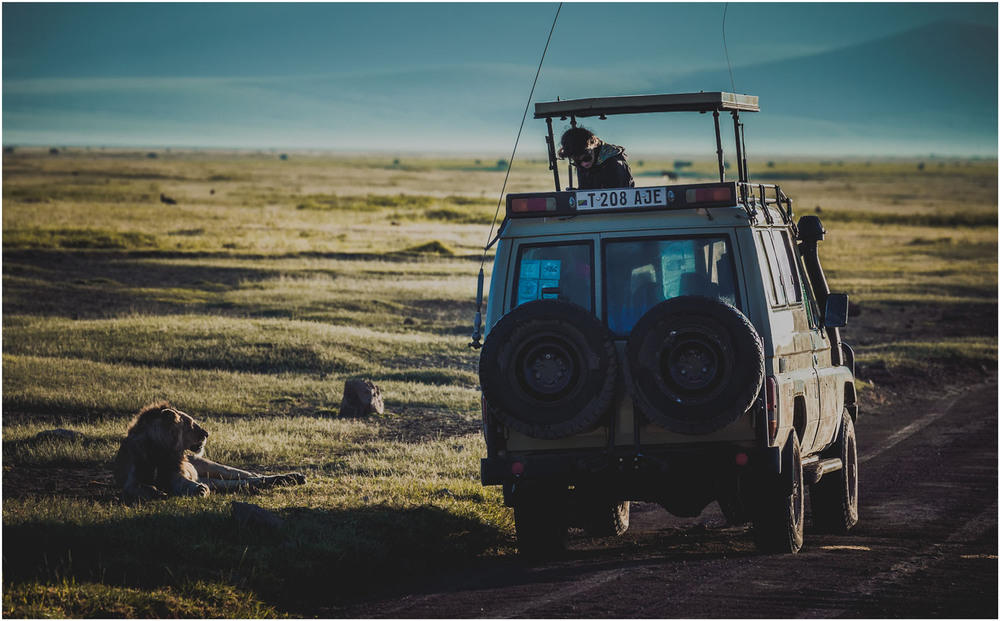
610 170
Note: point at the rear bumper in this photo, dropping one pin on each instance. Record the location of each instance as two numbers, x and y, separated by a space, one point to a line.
628 468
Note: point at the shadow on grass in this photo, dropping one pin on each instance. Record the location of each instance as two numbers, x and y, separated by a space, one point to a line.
316 557
101 284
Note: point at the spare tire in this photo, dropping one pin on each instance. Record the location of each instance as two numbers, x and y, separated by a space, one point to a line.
548 369
694 364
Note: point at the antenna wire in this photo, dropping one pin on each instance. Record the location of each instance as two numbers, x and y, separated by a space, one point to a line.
725 47
510 164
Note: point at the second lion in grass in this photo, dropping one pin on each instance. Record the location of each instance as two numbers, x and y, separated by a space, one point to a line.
163 455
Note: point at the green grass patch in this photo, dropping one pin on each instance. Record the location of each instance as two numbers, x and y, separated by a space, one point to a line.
450 209
265 346
457 216
80 193
432 247
933 353
371 202
78 239
193 600
114 388
371 513
291 442
961 219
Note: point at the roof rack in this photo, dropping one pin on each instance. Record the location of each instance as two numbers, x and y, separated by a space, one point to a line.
638 104
714 102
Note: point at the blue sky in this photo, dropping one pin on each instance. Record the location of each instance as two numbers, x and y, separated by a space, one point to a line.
443 76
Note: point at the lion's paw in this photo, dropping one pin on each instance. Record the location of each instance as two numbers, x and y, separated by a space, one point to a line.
197 489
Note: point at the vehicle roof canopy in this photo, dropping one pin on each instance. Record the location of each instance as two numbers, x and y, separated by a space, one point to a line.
638 104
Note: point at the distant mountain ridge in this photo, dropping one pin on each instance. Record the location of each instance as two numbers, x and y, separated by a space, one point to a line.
936 79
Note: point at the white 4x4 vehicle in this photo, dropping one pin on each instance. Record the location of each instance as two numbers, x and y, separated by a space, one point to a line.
675 344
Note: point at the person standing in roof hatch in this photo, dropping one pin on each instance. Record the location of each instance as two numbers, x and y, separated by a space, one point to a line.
599 165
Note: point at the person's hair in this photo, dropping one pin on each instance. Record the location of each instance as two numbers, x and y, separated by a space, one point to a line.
576 140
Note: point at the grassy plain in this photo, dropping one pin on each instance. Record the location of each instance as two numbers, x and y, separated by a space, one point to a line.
271 282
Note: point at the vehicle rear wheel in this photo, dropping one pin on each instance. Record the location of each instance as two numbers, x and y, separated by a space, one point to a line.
779 514
548 369
541 526
606 518
834 498
694 364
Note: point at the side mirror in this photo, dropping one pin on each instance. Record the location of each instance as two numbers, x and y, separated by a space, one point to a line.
835 315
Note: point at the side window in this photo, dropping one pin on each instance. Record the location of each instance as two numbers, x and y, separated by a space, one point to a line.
786 264
640 273
776 290
555 272
812 309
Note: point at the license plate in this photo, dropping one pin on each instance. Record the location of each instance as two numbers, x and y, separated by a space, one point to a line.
626 198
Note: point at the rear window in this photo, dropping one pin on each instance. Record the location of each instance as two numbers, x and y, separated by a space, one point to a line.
555 272
640 273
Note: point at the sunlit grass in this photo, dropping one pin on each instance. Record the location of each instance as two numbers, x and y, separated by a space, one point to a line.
78 239
74 387
69 600
373 511
253 442
933 352
272 281
209 342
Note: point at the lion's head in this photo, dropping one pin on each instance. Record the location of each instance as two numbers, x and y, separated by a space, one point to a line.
169 428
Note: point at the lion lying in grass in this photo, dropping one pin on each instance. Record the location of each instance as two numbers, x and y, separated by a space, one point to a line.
162 455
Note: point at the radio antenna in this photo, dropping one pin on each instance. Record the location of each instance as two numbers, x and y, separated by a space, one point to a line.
725 47
476 332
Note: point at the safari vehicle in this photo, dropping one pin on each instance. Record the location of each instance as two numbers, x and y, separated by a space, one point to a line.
675 344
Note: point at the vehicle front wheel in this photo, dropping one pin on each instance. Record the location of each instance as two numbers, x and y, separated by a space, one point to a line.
779 514
834 498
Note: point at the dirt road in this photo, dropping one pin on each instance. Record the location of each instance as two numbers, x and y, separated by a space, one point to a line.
926 546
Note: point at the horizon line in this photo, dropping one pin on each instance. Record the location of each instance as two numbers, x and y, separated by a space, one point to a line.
465 153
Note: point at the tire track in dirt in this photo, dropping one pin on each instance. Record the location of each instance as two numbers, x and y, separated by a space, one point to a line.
904 570
565 593
942 408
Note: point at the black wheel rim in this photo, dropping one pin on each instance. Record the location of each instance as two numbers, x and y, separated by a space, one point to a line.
693 363
547 368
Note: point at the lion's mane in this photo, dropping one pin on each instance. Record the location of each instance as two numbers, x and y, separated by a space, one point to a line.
152 459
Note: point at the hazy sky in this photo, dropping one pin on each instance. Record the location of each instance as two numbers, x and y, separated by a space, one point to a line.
373 76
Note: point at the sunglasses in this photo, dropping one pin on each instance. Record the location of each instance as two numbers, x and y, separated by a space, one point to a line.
584 158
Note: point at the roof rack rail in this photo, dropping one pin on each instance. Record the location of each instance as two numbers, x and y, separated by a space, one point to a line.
638 104
754 196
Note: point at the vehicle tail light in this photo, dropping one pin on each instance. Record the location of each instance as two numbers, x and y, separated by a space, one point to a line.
771 397
718 194
527 205
517 468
